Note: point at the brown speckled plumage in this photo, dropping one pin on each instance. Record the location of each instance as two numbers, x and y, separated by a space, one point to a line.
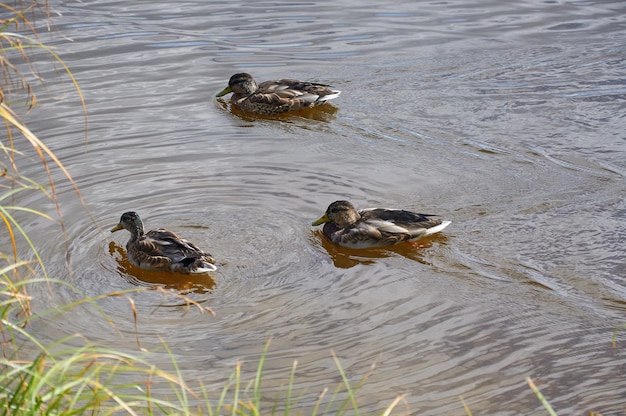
162 249
275 97
375 227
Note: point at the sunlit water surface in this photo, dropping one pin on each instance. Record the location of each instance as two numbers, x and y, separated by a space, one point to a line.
507 118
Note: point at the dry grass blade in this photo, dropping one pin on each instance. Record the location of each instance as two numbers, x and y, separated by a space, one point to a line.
38 145
393 404
188 302
134 309
466 407
615 331
8 219
11 234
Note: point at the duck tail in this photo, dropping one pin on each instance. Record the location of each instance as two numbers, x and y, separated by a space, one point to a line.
327 97
437 228
204 267
199 265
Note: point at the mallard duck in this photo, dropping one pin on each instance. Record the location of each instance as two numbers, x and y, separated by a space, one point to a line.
162 249
375 227
275 97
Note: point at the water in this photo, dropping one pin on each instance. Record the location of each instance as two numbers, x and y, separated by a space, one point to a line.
507 119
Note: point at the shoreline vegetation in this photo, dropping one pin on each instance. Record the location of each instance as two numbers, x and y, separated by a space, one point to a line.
61 378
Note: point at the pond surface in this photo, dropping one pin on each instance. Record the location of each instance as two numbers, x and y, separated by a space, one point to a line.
507 118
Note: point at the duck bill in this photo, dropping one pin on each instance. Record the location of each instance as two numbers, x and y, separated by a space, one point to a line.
323 219
225 91
116 228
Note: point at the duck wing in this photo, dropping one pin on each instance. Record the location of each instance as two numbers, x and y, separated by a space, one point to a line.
397 223
162 249
165 243
367 233
290 94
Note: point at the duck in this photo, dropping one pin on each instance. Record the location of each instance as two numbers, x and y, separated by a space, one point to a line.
276 97
162 249
346 226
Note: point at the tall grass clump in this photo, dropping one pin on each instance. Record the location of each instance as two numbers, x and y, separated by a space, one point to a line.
20 261
37 378
247 397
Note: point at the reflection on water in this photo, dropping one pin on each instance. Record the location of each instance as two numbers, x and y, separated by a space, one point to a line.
196 283
344 257
323 113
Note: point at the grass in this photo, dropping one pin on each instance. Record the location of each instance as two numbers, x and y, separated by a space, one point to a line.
66 380
615 331
542 399
72 375
247 398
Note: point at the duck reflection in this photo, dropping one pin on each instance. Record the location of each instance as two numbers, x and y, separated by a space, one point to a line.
345 258
324 113
191 283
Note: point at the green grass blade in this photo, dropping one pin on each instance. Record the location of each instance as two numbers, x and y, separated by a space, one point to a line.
542 399
351 392
256 393
290 387
615 331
